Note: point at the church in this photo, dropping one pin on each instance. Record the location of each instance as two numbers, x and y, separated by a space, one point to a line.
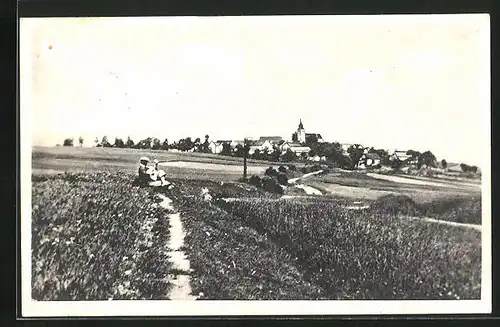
300 136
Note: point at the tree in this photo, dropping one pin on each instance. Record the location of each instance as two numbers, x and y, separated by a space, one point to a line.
466 168
118 143
105 143
129 143
164 145
289 156
427 158
257 154
312 153
155 144
384 156
345 162
80 140
226 149
311 140
239 151
185 144
68 142
332 152
444 164
96 142
144 144
397 164
205 147
356 152
276 154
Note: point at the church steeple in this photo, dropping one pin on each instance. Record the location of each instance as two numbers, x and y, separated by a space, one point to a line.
301 126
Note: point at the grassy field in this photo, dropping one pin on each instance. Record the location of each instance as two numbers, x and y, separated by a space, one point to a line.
54 160
95 236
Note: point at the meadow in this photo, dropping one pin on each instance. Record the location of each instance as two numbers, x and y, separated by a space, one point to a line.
97 236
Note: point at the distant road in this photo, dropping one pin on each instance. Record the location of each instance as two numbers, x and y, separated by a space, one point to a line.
404 180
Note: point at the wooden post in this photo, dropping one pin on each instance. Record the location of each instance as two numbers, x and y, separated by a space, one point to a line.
245 153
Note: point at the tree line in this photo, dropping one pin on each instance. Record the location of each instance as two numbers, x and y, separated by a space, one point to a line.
331 152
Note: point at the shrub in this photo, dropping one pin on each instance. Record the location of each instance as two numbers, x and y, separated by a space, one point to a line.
271 185
282 179
271 172
282 169
255 181
292 167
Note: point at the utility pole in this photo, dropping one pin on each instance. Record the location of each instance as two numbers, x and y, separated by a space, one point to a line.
245 153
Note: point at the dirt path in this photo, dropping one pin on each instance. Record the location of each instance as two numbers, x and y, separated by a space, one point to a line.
445 222
294 180
309 189
181 289
404 180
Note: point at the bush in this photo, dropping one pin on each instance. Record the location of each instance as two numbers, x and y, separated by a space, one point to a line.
271 185
255 181
292 167
282 169
282 179
271 172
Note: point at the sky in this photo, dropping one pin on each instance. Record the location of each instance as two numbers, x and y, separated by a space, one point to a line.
394 82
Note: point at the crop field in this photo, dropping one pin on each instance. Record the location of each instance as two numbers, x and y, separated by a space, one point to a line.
346 254
96 236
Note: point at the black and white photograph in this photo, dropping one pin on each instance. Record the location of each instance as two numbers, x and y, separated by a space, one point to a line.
255 165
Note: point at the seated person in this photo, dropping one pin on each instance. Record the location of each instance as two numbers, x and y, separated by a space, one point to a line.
144 172
150 174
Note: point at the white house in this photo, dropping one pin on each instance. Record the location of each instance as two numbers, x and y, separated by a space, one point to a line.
295 147
215 147
345 147
317 158
400 155
370 159
261 146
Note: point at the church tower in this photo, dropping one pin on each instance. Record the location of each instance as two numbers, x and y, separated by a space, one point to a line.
301 133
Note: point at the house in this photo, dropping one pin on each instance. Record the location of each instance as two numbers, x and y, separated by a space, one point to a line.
262 146
455 168
317 158
297 148
215 147
370 160
271 139
345 147
287 145
400 155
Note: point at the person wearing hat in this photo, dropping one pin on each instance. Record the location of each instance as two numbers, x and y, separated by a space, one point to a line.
150 174
144 172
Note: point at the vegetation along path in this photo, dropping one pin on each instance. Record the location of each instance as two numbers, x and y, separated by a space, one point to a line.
181 289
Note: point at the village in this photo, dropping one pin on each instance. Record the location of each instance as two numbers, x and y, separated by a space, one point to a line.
300 147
